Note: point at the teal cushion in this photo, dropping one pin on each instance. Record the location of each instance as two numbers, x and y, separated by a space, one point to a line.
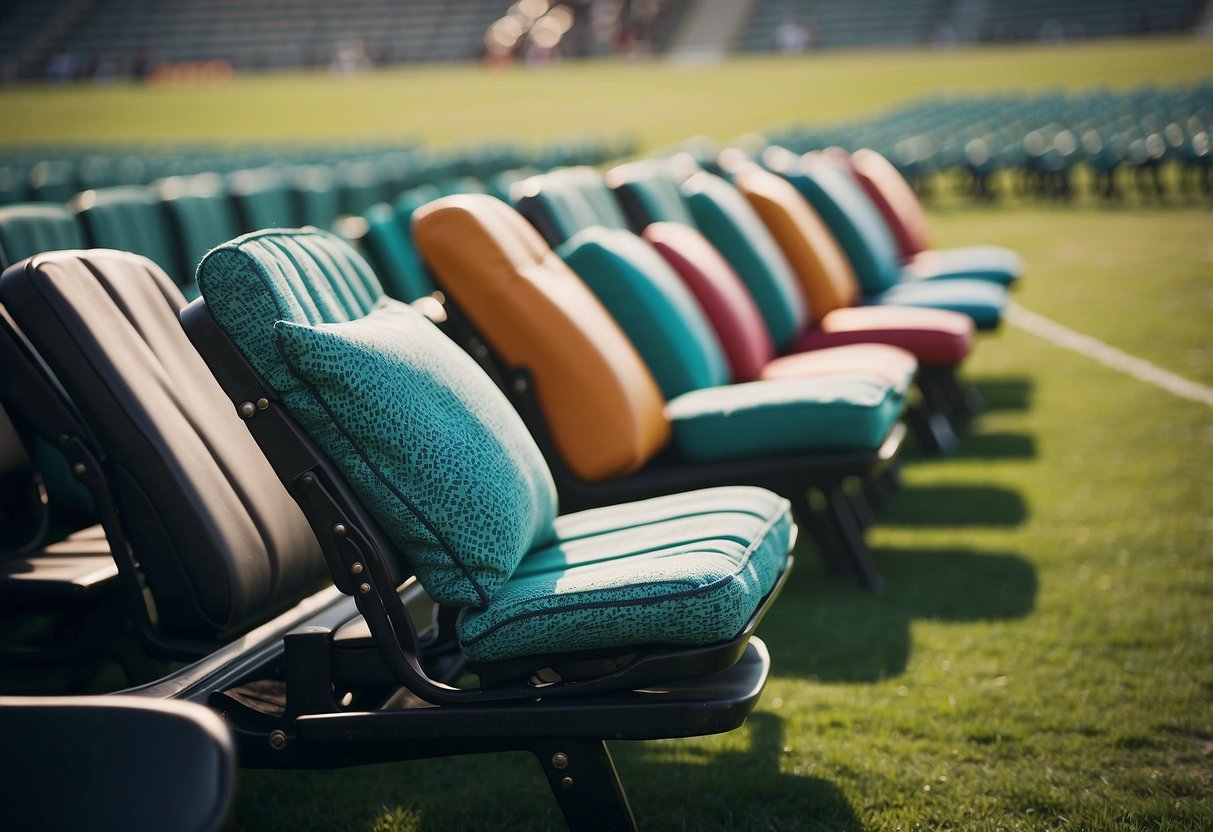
993 264
649 194
652 305
727 219
389 246
767 418
981 300
852 219
302 276
427 442
687 570
591 188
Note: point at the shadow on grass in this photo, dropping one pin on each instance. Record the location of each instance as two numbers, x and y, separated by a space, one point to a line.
828 629
956 505
996 446
1005 393
701 794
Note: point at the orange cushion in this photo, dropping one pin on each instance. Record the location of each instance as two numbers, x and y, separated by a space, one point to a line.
816 258
600 402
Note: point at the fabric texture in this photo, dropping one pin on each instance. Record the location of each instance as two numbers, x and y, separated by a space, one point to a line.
765 418
682 570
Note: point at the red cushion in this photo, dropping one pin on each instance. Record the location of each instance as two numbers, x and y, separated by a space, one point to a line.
936 337
725 301
891 364
894 198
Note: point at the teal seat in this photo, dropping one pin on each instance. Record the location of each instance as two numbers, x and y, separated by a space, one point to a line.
129 218
726 218
870 247
201 216
389 248
648 193
445 466
562 202
653 307
262 199
315 195
31 228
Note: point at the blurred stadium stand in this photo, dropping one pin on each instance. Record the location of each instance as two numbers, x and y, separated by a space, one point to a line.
63 40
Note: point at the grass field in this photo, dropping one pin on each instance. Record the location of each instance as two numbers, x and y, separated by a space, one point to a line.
1042 654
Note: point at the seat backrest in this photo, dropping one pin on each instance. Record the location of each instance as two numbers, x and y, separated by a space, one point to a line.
851 218
562 202
262 199
728 220
34 227
650 303
895 199
314 191
389 247
648 193
721 295
603 409
128 218
221 543
429 445
816 259
201 217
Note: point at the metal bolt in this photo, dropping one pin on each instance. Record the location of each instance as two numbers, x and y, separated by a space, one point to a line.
263 403
64 439
560 760
79 469
364 588
356 569
308 479
247 410
340 530
277 740
567 783
520 385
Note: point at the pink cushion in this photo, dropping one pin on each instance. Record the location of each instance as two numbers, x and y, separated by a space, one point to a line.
891 364
935 337
895 200
724 299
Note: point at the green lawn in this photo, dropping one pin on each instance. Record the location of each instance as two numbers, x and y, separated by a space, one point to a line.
1042 654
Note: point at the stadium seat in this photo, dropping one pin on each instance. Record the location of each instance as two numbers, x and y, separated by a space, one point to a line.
903 215
129 218
34 227
849 235
606 428
201 216
262 198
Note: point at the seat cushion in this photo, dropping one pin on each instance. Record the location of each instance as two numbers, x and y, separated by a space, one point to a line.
729 308
980 300
887 363
683 570
993 264
650 303
894 198
935 337
428 443
738 233
766 418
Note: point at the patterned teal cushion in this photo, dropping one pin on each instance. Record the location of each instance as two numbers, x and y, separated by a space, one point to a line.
687 569
766 418
427 442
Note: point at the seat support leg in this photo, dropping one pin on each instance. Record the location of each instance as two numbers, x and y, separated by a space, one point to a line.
859 557
585 784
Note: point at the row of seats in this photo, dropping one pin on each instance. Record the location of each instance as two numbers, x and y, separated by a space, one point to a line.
55 174
1041 138
298 426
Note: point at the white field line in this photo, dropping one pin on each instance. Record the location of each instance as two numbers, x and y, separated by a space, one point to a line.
1107 355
